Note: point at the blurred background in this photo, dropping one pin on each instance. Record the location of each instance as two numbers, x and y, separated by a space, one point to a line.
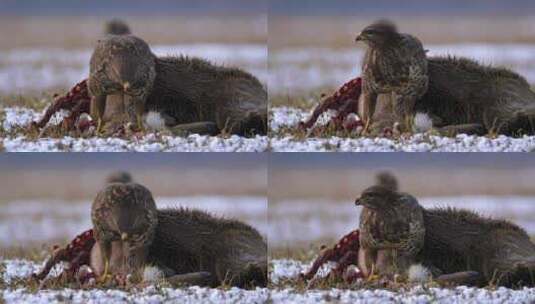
46 45
311 196
46 198
312 48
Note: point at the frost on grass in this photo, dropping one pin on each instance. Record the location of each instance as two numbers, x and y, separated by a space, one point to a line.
151 294
288 117
289 269
17 117
285 118
149 143
17 270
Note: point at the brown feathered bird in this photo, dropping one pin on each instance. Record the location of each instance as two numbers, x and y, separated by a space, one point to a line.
394 63
191 95
456 246
392 230
124 215
188 246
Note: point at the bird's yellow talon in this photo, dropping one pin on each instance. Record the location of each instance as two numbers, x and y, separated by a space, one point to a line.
99 126
105 276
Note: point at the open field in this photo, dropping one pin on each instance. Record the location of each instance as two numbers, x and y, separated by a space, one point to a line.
301 223
45 200
36 64
299 227
30 227
314 55
312 204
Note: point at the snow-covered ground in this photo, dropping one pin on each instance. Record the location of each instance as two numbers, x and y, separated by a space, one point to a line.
20 269
289 269
282 269
298 70
288 117
40 221
37 69
151 142
308 220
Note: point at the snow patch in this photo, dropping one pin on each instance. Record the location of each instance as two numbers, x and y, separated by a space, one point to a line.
419 274
154 121
287 269
417 294
150 142
422 123
152 274
287 117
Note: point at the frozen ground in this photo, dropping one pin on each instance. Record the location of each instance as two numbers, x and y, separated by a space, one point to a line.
42 221
308 220
289 269
288 117
10 118
298 70
12 270
37 69
20 269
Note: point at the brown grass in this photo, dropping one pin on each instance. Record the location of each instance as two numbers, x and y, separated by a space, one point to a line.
37 101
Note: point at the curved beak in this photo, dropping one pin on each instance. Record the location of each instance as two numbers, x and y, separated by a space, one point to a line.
359 37
357 202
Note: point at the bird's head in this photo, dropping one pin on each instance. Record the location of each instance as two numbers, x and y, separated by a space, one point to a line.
131 212
378 33
124 64
378 198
